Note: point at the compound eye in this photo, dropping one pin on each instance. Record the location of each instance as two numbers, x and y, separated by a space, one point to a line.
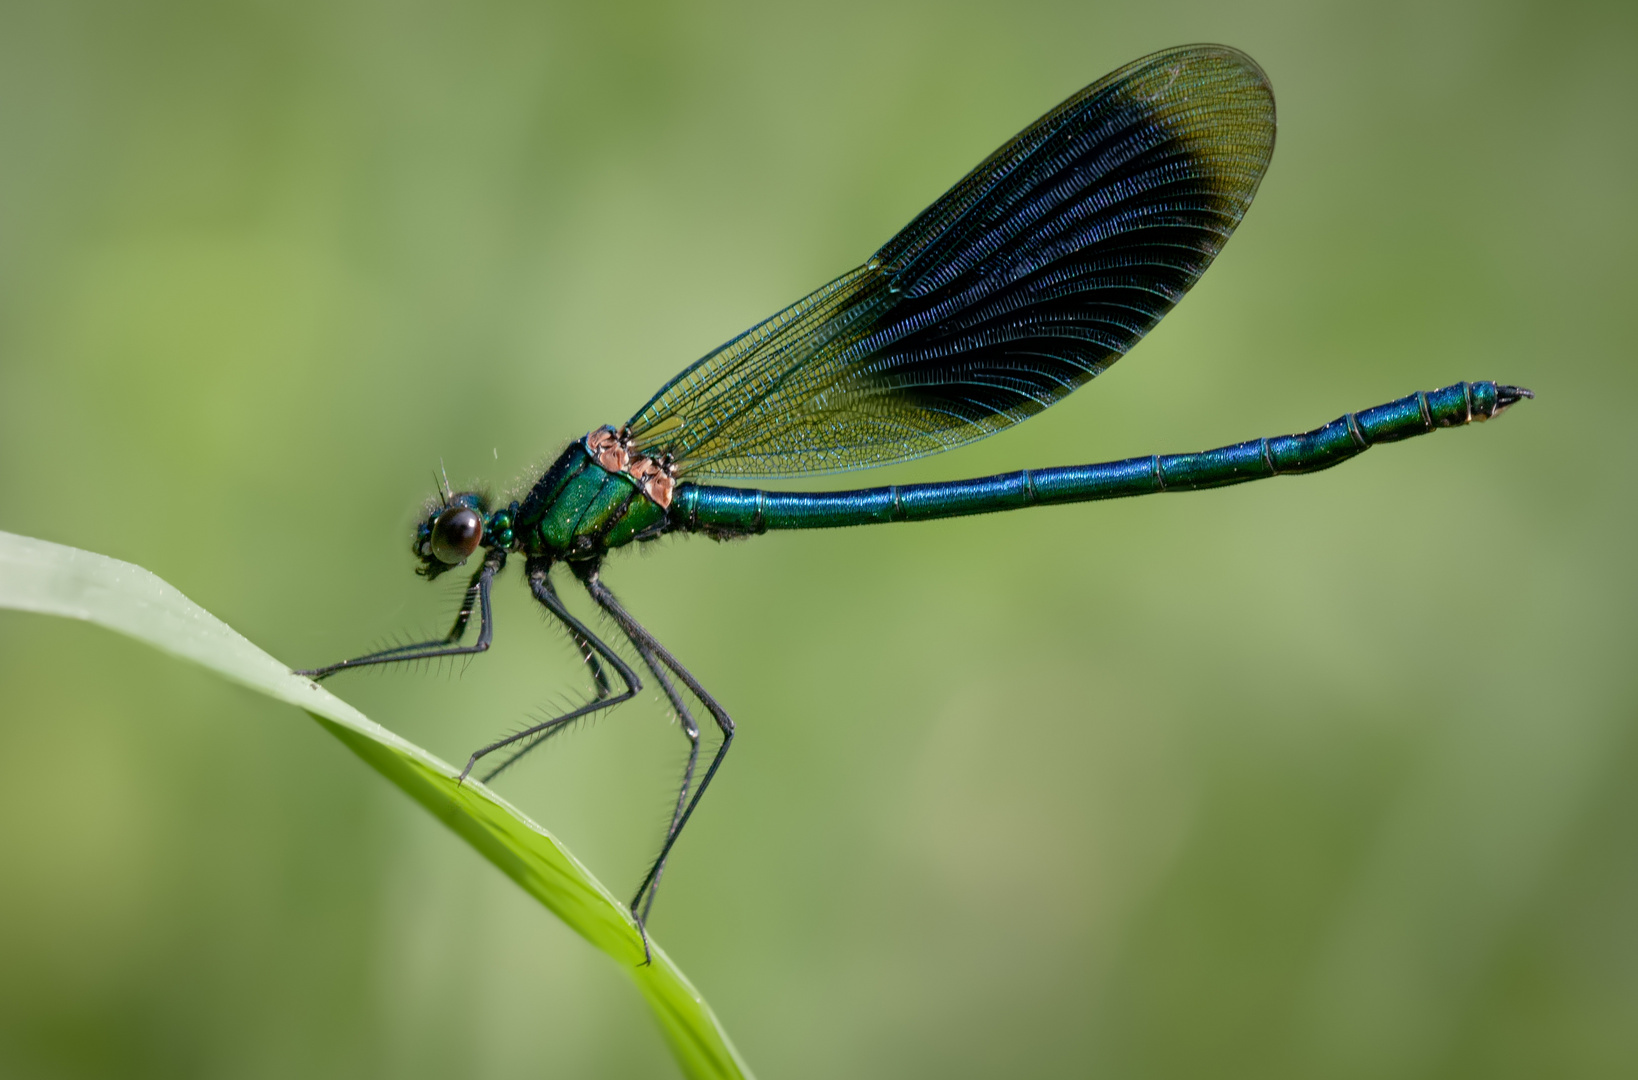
455 534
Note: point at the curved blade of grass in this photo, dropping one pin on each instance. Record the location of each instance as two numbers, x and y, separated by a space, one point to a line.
39 576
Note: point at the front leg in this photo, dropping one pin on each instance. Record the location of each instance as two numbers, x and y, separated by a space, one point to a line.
477 596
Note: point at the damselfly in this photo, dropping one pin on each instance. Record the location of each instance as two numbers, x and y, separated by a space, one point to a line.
1030 276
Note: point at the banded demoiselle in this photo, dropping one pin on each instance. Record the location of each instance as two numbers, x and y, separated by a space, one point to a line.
1029 277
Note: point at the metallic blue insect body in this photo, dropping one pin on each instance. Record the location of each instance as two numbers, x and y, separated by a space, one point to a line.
1031 276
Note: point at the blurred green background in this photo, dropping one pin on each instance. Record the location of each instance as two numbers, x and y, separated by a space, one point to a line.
1332 776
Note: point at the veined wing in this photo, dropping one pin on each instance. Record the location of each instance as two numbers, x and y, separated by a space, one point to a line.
1029 277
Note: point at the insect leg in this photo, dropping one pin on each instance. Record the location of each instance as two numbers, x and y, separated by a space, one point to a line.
604 689
691 731
476 597
646 642
685 717
538 571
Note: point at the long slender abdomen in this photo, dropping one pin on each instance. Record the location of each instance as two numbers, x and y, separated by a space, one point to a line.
727 511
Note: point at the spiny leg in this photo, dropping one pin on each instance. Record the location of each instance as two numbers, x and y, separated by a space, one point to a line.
685 717
691 730
646 642
588 655
690 727
601 690
588 652
476 596
538 571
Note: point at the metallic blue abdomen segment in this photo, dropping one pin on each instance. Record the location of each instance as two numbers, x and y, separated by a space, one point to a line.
725 510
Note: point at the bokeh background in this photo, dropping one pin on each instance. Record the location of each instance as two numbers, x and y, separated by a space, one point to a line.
1331 776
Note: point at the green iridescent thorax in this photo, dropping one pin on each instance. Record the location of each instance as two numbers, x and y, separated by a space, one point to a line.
580 509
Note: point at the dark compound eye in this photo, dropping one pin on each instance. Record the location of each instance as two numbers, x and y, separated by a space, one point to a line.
455 534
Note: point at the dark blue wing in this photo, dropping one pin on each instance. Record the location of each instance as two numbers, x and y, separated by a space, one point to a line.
1029 277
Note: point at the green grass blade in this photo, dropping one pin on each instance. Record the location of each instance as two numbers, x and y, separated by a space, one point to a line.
51 579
